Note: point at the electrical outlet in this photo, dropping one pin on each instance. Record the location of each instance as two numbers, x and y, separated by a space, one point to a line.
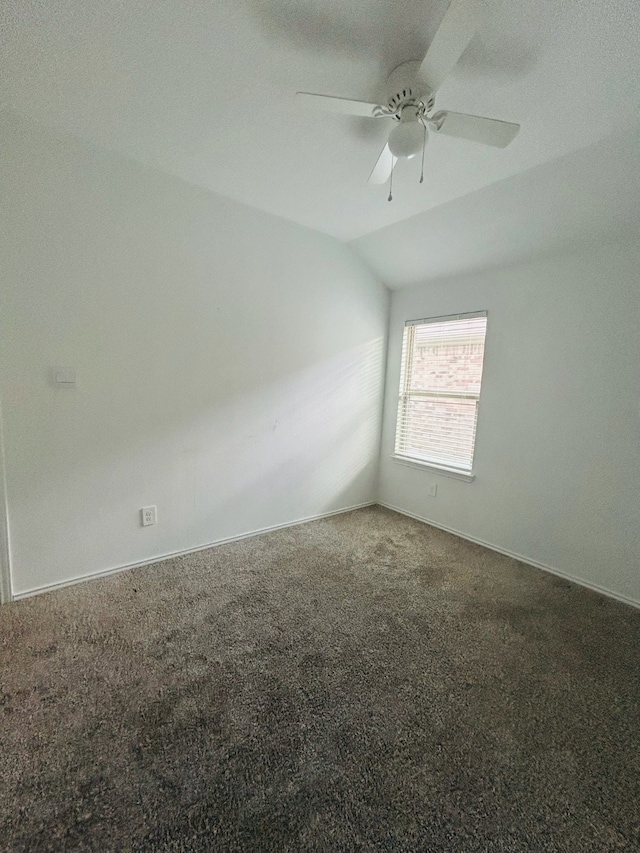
148 515
433 490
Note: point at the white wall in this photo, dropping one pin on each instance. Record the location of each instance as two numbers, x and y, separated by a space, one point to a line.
229 363
558 441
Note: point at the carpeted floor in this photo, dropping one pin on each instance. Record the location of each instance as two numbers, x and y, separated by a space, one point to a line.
361 683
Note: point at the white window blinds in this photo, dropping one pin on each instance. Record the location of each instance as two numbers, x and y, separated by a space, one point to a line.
440 381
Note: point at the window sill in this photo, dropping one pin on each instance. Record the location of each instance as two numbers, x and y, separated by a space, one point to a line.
431 466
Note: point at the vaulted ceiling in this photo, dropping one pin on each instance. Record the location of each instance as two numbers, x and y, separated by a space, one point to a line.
205 90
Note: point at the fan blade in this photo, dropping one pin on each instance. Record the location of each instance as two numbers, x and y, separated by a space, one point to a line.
454 34
383 168
489 131
339 105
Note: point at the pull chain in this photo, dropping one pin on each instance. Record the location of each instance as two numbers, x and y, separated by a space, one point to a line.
391 184
424 145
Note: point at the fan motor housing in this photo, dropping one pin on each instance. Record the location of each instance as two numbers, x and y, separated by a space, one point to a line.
404 88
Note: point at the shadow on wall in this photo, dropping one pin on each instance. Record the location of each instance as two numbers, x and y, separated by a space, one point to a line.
285 461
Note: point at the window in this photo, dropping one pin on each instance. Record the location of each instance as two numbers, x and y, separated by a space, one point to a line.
440 381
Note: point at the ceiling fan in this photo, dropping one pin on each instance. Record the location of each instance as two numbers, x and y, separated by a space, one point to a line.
410 98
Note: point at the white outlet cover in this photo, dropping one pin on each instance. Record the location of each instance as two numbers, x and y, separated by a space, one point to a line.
148 515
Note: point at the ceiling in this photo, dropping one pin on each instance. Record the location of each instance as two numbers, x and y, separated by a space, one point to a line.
581 198
204 89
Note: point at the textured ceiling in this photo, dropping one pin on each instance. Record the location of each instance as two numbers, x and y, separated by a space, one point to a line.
205 91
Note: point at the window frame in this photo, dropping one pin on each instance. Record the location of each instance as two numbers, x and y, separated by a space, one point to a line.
405 396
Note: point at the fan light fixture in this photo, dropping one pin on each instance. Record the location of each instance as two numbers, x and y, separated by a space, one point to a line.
410 94
407 139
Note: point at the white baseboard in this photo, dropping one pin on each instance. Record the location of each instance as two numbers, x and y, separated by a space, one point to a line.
530 562
5 546
162 557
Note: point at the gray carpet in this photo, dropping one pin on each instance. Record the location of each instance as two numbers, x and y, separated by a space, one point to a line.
361 683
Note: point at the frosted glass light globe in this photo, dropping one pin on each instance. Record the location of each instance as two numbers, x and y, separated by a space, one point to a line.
405 140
